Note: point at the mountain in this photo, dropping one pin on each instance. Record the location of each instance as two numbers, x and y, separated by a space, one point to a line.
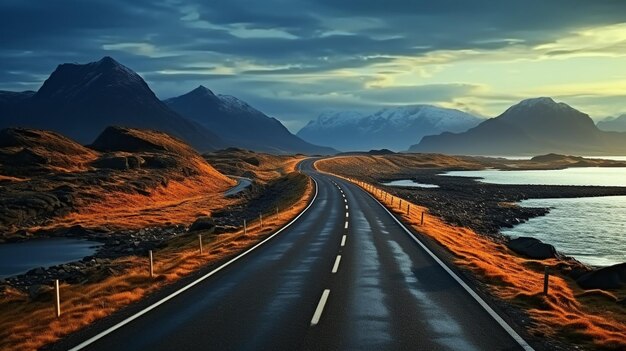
81 100
240 124
533 126
613 124
393 128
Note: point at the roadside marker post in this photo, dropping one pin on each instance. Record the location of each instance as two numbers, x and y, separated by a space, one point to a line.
57 299
400 206
546 280
261 219
200 242
422 223
277 215
245 228
151 264
408 209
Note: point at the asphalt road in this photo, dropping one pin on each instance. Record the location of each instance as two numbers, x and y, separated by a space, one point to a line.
294 292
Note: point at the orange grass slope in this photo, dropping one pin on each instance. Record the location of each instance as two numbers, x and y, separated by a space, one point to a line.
44 149
26 326
193 188
568 312
387 165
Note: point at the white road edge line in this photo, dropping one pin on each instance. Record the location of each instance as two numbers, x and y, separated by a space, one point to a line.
472 293
190 285
336 265
343 241
320 308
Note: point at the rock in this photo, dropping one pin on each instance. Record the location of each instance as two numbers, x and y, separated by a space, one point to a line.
112 162
612 277
38 291
36 271
204 224
533 248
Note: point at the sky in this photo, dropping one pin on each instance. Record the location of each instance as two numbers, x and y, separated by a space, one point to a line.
294 59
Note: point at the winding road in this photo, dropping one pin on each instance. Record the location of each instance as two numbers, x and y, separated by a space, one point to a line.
345 275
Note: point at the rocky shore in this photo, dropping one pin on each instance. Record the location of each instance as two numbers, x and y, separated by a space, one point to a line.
486 208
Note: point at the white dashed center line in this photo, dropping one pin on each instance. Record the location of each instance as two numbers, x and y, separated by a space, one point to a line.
343 240
346 226
347 214
320 308
336 265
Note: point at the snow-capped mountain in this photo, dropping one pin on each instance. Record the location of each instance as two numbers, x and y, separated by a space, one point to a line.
531 127
239 123
393 128
81 100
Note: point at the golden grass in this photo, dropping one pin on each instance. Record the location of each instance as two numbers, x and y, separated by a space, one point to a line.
590 318
26 325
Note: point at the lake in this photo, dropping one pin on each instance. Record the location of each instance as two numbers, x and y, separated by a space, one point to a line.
591 229
407 183
600 176
19 258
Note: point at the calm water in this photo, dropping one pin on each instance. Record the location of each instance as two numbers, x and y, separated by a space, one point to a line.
407 183
593 230
601 176
18 258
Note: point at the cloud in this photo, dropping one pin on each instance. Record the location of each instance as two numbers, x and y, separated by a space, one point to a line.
295 57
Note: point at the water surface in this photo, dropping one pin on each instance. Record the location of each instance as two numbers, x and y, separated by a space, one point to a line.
598 176
408 183
19 258
591 229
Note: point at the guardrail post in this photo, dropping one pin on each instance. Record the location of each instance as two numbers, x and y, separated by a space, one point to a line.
151 264
546 280
200 242
57 299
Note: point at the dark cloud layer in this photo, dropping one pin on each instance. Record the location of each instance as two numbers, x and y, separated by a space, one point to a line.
251 48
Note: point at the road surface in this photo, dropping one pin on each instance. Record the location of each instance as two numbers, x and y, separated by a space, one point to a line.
344 276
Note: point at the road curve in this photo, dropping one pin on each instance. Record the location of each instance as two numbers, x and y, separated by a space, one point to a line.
344 276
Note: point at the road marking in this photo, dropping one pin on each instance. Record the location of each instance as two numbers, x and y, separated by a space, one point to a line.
346 207
343 240
195 282
320 308
347 214
344 195
336 265
345 200
464 285
346 226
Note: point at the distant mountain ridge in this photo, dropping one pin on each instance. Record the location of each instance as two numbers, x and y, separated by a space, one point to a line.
240 124
394 128
531 127
613 124
81 100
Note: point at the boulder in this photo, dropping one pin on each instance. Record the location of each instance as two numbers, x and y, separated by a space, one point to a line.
533 248
112 162
202 223
38 291
612 277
